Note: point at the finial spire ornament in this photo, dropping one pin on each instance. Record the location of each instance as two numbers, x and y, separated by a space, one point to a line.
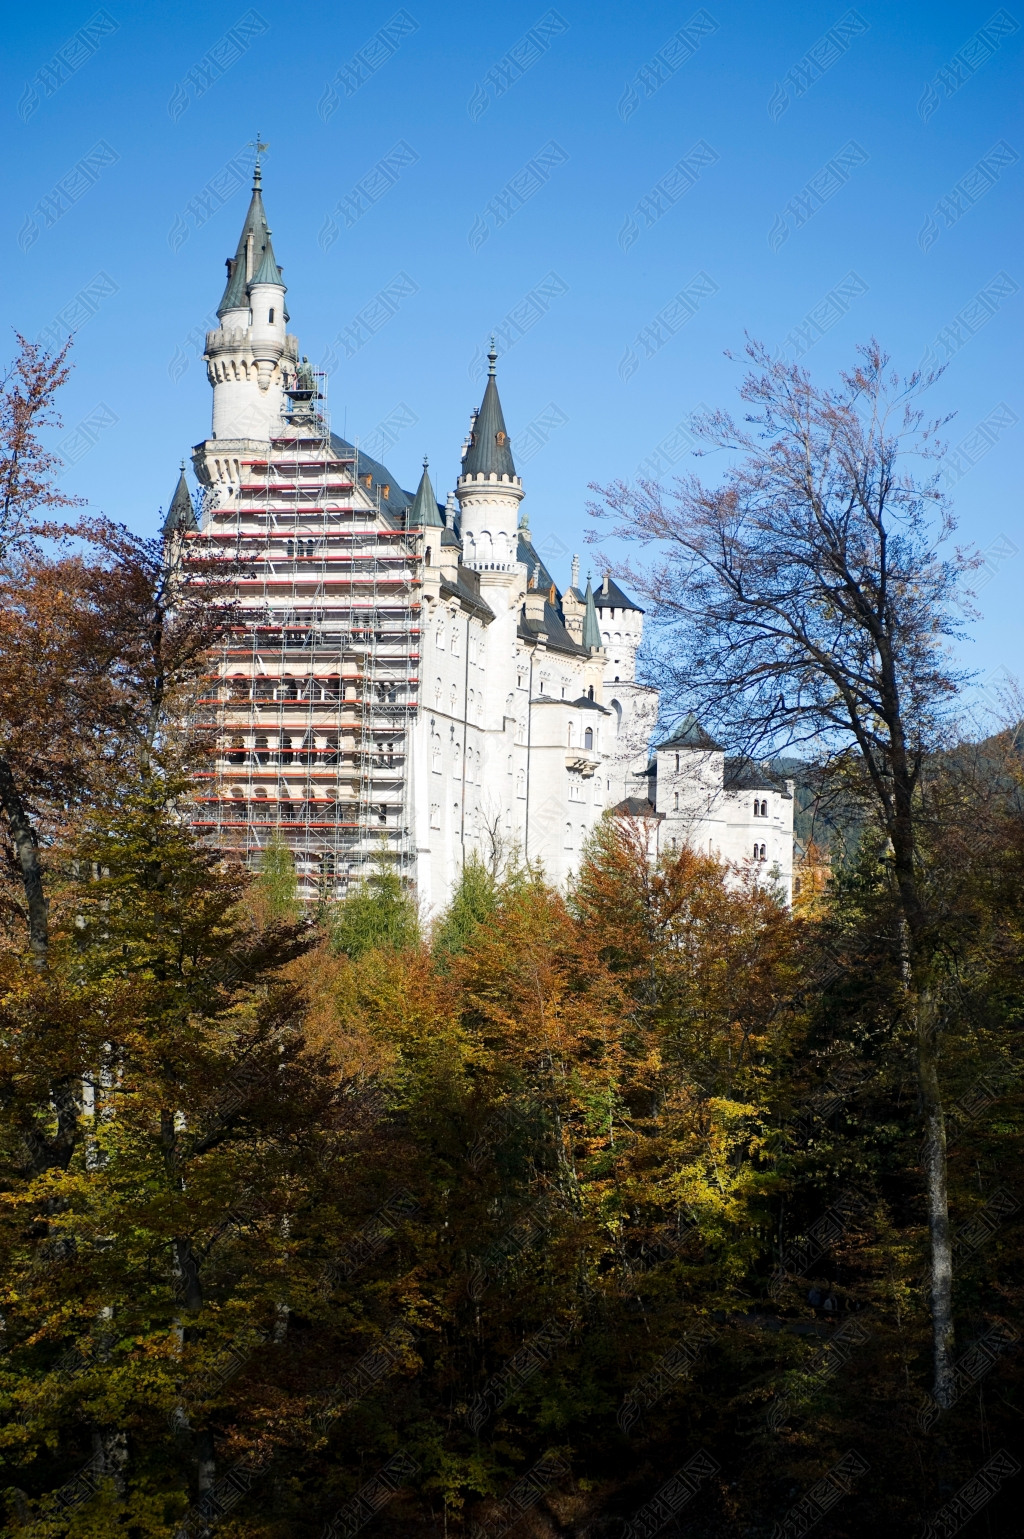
492 358
257 170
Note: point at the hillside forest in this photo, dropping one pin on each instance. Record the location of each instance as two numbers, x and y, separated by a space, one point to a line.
650 1206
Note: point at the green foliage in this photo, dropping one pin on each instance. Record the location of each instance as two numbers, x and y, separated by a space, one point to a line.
380 914
277 885
474 902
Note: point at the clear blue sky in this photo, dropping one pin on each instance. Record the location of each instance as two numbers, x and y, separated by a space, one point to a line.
756 100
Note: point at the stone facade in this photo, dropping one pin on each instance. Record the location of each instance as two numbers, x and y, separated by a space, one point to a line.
410 682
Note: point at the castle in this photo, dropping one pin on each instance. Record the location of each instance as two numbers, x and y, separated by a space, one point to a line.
405 680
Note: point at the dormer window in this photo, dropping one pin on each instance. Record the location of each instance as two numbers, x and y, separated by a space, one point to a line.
385 491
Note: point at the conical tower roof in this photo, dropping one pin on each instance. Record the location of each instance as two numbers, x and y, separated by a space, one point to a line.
423 513
181 515
254 260
591 629
489 452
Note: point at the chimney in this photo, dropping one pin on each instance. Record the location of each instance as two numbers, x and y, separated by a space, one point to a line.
575 571
536 598
604 585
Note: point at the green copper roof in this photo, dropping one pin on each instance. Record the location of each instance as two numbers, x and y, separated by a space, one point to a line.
489 452
268 270
691 734
254 254
181 515
424 512
591 629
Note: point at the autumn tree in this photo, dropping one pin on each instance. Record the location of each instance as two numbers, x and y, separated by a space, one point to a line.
809 598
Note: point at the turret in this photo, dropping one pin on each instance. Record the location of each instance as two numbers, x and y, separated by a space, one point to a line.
423 513
250 358
181 515
489 491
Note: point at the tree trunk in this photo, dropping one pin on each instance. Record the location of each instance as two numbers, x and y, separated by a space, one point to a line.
936 1197
27 849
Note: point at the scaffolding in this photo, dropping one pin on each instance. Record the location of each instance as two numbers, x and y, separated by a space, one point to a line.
313 692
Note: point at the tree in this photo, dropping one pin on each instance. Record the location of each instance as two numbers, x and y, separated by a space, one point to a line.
103 641
809 597
380 913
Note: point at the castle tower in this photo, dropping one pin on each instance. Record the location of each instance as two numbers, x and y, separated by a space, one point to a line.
488 489
250 358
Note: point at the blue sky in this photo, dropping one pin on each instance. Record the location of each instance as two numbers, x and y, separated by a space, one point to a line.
622 190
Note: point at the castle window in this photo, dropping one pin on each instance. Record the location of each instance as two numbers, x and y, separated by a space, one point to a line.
435 814
270 317
521 784
764 809
757 809
590 692
570 728
677 761
568 836
427 557
675 801
588 738
385 491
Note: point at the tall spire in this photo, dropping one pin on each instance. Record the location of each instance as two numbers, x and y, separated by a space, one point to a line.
181 515
489 452
591 630
423 513
253 261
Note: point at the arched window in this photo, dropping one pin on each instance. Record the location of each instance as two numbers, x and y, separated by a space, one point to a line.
675 801
426 559
270 317
435 754
588 738
568 836
570 734
756 848
288 689
764 853
521 783
677 761
237 754
764 809
437 694
757 808
440 635
590 692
